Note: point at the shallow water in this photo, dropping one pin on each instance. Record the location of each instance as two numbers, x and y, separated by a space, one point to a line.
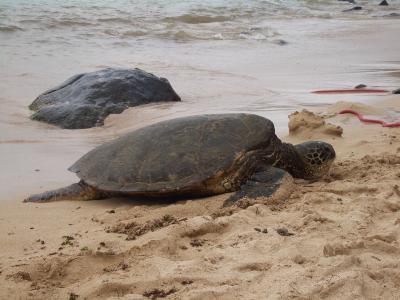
170 19
220 56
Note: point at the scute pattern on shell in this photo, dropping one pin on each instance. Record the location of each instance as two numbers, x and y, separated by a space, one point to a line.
174 154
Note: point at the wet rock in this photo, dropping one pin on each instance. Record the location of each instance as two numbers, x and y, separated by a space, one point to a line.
392 15
360 86
349 1
384 3
85 100
280 42
353 8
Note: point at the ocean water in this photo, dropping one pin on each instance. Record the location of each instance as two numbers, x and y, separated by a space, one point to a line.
262 57
183 21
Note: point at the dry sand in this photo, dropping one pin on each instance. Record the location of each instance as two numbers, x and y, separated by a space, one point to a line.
345 242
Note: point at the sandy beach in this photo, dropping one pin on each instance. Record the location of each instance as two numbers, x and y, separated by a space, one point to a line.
334 238
345 241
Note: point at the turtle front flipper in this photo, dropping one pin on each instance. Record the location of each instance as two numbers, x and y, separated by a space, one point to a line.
76 191
266 182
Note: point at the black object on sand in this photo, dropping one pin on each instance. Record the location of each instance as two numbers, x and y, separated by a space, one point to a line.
353 8
85 100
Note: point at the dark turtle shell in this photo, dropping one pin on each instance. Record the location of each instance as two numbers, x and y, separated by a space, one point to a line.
171 155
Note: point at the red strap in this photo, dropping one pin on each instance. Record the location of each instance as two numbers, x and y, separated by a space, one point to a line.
364 119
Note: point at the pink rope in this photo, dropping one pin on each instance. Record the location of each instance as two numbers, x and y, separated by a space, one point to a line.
364 119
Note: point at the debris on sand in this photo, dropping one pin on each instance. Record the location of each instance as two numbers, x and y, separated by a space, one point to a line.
120 266
133 230
67 240
197 242
284 232
156 293
73 296
20 276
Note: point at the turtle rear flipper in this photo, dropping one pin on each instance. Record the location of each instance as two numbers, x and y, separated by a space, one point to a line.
76 191
267 182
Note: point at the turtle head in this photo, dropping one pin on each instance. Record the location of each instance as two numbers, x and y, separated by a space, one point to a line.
317 158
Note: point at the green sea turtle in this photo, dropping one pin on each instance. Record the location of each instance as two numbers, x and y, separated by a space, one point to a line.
195 156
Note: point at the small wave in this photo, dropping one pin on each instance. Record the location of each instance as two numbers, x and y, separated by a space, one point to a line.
183 36
122 44
69 6
189 36
134 33
111 32
197 19
257 33
116 20
179 36
218 36
30 21
10 28
125 34
59 23
257 36
20 141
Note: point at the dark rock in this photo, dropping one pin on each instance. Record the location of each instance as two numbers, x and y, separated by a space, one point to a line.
384 3
349 1
360 86
392 15
397 91
284 232
85 100
280 42
353 8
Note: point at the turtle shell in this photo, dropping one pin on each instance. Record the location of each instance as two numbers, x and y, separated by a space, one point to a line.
171 155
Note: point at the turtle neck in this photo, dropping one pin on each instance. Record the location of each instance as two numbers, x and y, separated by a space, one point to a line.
290 160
